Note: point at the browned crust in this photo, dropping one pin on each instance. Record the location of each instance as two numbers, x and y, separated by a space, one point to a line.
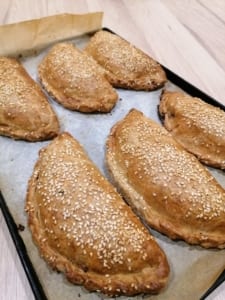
182 201
199 127
145 271
127 67
75 81
24 110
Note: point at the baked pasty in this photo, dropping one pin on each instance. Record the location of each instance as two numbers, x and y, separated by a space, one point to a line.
166 185
127 66
75 80
199 127
24 110
83 228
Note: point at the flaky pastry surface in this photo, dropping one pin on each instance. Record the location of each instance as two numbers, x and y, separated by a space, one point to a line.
164 183
83 227
199 127
24 109
75 80
126 66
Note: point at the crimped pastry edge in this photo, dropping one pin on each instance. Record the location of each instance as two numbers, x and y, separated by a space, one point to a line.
209 161
92 281
151 218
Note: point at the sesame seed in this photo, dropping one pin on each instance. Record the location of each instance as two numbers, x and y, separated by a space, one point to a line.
124 63
159 158
83 216
206 121
76 80
19 96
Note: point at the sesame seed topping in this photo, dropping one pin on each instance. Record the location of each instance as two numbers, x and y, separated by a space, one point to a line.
20 96
74 204
177 176
124 61
60 61
76 80
196 125
209 118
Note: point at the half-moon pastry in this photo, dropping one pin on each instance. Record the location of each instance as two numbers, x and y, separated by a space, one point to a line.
126 66
75 80
199 127
167 186
83 227
24 109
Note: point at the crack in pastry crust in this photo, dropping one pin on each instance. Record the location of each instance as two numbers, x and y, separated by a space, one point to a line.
126 66
75 80
199 127
165 185
83 227
24 109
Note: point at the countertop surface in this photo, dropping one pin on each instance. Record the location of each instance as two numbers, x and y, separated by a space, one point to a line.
187 36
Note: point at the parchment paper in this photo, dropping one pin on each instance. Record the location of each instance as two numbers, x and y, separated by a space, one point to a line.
193 269
24 37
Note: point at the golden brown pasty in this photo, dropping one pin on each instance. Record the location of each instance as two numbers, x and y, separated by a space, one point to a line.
83 228
166 185
199 127
24 110
75 80
127 66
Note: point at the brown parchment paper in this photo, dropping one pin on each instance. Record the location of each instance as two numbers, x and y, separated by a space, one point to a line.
24 37
193 269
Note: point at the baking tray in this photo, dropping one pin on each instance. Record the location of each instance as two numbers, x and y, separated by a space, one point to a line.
14 182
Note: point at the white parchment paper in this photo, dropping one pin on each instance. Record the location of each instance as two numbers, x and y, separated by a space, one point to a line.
193 269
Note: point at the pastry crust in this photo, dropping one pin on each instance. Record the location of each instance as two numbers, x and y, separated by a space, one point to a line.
126 66
166 185
83 227
75 80
24 109
199 127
